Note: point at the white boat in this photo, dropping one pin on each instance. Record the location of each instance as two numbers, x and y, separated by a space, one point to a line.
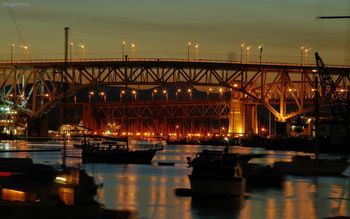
216 173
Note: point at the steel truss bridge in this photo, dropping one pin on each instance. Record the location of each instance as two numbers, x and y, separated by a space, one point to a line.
35 87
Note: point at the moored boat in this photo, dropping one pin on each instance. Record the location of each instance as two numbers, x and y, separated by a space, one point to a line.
118 152
307 165
216 173
40 191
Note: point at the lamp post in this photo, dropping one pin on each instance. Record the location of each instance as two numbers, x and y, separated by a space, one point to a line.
122 93
177 93
103 95
242 45
123 49
91 93
208 93
134 93
260 52
306 55
154 92
11 51
188 51
26 52
133 49
71 44
190 93
248 53
197 51
301 55
82 46
165 95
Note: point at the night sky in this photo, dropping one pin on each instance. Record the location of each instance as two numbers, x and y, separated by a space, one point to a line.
162 28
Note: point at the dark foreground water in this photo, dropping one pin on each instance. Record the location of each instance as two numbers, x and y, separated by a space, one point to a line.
149 189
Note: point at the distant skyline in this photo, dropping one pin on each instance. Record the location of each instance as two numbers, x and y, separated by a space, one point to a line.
162 29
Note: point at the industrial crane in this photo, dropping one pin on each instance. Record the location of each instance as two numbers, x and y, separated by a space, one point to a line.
333 111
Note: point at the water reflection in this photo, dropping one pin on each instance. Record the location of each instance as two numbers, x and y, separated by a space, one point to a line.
216 207
149 189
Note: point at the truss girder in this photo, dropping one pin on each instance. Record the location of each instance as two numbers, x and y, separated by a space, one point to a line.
198 110
40 86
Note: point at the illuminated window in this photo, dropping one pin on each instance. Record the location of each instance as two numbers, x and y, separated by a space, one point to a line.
13 195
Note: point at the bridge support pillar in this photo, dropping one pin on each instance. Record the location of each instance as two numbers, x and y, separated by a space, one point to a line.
243 118
251 120
236 117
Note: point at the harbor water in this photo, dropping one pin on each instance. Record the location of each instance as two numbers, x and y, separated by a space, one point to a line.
149 189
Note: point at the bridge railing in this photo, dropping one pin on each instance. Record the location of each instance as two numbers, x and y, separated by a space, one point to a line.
94 60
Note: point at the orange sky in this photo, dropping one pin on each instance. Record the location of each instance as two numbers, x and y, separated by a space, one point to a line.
162 28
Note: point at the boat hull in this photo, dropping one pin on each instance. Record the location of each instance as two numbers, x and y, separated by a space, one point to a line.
310 168
217 185
118 156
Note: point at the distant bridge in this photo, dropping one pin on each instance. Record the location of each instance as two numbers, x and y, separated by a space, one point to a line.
36 86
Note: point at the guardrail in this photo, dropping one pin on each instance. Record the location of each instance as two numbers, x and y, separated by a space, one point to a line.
94 60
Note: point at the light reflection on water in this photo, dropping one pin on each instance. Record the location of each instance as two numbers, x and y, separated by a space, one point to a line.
149 189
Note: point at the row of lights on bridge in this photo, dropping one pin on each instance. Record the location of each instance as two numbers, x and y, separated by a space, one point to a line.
244 48
155 92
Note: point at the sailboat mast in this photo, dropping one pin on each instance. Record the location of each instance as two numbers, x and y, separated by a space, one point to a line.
64 154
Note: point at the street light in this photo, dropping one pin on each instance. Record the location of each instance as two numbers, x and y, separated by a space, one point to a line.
260 52
165 95
103 95
188 51
26 51
306 55
134 93
197 51
242 46
71 44
122 93
301 55
177 92
11 49
190 93
133 49
208 92
248 53
91 93
154 92
82 46
221 92
123 49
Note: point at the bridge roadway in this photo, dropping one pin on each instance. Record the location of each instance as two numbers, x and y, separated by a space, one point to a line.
38 85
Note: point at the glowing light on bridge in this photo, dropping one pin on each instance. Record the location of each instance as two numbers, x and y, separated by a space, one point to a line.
154 92
242 46
123 49
26 51
248 53
103 95
11 51
91 93
83 51
135 94
165 94
197 51
188 50
133 50
189 91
